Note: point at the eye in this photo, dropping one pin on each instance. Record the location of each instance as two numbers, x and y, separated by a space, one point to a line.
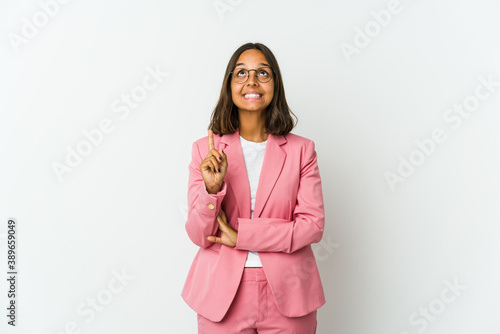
263 72
241 73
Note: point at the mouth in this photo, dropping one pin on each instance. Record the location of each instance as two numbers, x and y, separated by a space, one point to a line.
252 96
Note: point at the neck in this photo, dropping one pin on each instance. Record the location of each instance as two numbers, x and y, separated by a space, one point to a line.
252 126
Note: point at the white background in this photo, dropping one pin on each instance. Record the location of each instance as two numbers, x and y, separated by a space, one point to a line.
386 253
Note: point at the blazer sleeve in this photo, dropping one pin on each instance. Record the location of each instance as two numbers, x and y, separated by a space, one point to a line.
283 235
202 206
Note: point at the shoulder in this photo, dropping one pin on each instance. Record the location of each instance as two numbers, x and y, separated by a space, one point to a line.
301 149
296 141
203 141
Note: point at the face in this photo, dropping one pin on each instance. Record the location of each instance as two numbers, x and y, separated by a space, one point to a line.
252 59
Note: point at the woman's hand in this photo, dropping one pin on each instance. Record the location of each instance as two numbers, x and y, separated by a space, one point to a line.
213 168
228 234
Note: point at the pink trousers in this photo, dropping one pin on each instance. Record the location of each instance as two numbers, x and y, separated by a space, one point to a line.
253 311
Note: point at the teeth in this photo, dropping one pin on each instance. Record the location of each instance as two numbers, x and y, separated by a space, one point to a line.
252 95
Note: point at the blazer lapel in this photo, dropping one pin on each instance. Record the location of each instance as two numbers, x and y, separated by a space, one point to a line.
237 177
274 159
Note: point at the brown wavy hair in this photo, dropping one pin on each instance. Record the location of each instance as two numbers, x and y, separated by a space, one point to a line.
225 118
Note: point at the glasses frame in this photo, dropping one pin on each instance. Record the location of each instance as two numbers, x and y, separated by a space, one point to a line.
256 76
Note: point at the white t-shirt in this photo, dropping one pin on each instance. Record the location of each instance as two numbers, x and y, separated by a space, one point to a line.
254 157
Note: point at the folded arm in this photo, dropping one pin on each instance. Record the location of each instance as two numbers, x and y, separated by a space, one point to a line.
283 235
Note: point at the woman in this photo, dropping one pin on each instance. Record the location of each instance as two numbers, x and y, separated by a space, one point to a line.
255 206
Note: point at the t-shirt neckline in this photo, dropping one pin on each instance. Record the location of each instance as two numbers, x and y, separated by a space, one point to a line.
253 142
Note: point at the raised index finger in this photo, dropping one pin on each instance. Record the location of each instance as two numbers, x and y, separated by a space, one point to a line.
210 140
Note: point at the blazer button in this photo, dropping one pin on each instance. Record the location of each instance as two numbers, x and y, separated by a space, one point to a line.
211 206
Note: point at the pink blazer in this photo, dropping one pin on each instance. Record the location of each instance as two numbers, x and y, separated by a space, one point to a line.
288 217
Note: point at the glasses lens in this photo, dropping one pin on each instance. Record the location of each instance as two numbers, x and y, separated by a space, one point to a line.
263 74
240 75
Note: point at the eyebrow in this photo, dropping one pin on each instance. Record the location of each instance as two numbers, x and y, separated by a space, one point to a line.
243 64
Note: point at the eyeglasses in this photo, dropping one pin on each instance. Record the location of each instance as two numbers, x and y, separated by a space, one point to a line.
263 74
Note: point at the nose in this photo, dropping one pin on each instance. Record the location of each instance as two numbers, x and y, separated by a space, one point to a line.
252 78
